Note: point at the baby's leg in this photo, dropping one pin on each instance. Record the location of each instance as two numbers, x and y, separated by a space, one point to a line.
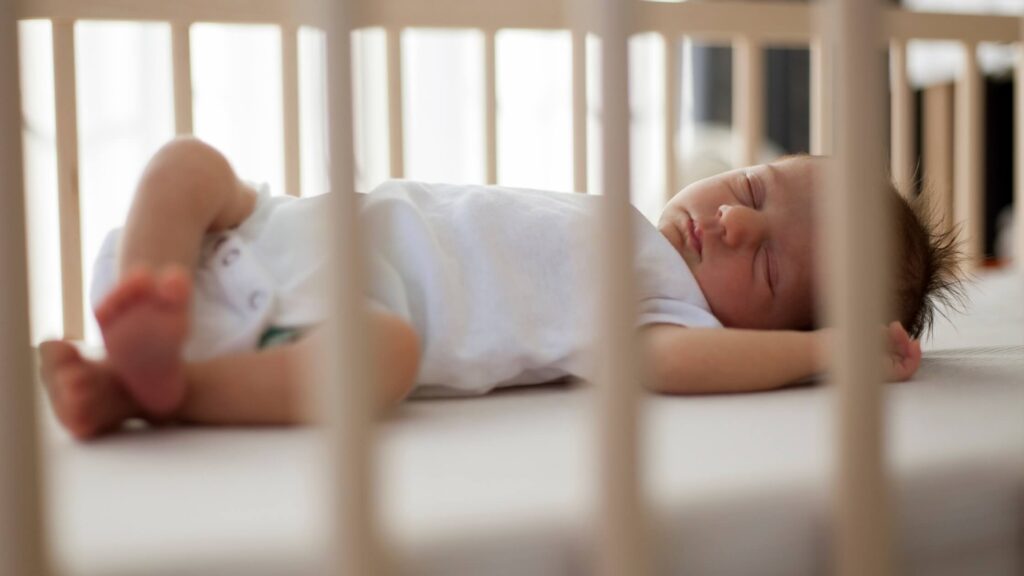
187 190
269 386
259 387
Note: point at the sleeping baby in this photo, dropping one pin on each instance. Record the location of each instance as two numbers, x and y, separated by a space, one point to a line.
209 298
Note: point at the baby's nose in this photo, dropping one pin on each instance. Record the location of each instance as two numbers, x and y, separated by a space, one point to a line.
740 225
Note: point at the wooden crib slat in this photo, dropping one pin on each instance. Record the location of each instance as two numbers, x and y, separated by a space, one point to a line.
579 109
490 107
346 389
396 132
672 114
902 123
853 266
821 97
23 548
937 151
622 538
65 97
1018 197
968 203
748 100
181 61
290 109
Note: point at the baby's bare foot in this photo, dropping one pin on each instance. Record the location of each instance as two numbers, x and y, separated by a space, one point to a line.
85 395
144 323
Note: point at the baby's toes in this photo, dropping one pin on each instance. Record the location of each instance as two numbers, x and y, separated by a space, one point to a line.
135 285
75 402
174 286
88 402
54 354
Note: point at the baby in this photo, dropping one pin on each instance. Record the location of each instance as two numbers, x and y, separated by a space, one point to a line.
208 300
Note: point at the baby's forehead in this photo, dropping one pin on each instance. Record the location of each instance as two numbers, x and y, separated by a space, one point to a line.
802 162
804 172
796 184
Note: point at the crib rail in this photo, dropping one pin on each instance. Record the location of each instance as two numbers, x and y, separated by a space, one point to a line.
69 201
345 387
775 22
1018 109
22 530
297 12
853 268
749 26
622 527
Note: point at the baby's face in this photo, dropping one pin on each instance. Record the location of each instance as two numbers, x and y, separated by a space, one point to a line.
747 237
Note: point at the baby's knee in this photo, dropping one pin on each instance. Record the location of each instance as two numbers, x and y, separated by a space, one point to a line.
188 154
187 169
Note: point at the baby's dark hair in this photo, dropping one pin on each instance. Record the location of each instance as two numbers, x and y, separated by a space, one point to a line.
928 260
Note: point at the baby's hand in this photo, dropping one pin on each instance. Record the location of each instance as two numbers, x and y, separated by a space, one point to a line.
904 354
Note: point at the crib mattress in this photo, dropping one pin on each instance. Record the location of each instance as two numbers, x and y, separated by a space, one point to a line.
504 484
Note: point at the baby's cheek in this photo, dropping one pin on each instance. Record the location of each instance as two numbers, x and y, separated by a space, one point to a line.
728 305
738 304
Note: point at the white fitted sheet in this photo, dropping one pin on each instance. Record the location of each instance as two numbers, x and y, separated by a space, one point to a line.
503 484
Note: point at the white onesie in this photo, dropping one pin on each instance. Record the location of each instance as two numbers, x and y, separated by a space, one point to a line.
496 281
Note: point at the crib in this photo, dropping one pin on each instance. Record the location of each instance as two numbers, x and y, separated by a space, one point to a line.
926 478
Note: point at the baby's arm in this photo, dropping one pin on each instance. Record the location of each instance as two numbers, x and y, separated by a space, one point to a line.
705 360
